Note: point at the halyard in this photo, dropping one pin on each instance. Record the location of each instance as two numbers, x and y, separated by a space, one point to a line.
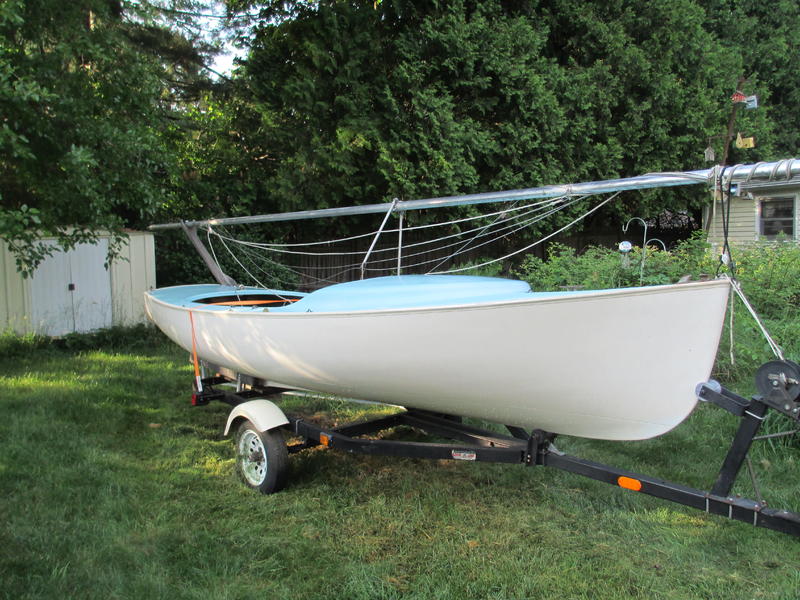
113 486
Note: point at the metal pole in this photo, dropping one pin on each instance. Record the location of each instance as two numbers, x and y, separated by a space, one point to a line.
644 244
216 270
377 235
771 171
400 243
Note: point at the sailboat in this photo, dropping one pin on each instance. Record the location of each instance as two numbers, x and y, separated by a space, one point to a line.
618 364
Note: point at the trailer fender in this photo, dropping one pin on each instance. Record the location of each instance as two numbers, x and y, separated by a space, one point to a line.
261 413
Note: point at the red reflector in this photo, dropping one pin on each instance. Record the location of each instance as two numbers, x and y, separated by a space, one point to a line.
194 399
629 483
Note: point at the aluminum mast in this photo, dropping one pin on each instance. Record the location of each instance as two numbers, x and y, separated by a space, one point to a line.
759 172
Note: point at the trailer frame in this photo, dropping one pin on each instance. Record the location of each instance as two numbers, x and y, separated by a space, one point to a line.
536 448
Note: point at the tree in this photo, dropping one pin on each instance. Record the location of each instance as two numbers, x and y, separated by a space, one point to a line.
88 95
764 37
364 101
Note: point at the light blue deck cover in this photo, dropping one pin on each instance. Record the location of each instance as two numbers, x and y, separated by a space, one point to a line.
379 293
409 291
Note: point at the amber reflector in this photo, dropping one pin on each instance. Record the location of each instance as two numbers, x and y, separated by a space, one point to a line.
324 439
629 483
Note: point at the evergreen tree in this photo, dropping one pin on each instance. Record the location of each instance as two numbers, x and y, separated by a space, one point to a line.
364 101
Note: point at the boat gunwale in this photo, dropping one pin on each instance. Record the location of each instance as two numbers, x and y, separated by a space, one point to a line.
197 307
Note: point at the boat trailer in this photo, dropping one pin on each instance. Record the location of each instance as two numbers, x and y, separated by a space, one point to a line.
262 454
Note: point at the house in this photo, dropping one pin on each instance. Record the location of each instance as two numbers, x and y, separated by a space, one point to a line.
74 292
758 211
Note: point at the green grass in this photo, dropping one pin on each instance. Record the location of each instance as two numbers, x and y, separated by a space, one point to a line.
113 486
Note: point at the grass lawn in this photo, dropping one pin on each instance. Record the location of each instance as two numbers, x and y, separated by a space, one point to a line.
113 486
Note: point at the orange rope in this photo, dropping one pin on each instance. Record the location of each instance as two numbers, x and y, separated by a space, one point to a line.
194 356
249 302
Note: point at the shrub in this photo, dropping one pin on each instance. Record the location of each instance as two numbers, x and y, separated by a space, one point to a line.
13 345
128 339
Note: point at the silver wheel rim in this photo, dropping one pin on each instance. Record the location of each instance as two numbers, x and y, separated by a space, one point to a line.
252 458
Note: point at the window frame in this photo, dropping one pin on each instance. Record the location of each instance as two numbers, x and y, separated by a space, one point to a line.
762 200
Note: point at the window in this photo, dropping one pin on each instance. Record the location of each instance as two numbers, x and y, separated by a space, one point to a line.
777 218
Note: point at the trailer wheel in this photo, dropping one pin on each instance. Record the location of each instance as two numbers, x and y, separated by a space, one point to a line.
261 458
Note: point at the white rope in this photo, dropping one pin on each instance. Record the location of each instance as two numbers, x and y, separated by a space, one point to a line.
333 278
253 277
413 228
514 224
280 250
772 344
487 242
469 242
267 245
501 232
276 246
534 206
536 243
509 229
213 253
509 226
506 222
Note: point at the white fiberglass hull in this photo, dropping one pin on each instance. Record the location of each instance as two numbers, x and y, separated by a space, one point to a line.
614 364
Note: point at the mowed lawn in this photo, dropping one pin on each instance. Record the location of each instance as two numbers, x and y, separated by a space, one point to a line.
113 486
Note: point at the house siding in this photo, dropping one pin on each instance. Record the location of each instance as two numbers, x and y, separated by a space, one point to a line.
743 226
744 221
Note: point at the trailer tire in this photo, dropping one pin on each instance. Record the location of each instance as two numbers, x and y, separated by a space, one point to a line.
261 458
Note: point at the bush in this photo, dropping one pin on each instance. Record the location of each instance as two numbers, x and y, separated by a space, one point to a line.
128 339
602 268
14 346
769 274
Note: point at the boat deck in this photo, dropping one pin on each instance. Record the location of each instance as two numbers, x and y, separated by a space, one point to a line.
380 293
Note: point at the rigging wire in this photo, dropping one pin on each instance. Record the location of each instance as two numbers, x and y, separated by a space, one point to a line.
515 230
723 186
250 253
277 249
536 243
501 232
469 242
410 245
415 227
506 223
235 258
510 226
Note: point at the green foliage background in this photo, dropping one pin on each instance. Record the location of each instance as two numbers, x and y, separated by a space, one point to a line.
109 119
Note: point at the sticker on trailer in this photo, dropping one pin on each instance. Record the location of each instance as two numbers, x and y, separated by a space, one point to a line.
463 454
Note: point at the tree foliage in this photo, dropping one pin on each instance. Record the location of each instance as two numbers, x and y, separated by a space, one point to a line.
364 101
87 97
764 36
107 119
